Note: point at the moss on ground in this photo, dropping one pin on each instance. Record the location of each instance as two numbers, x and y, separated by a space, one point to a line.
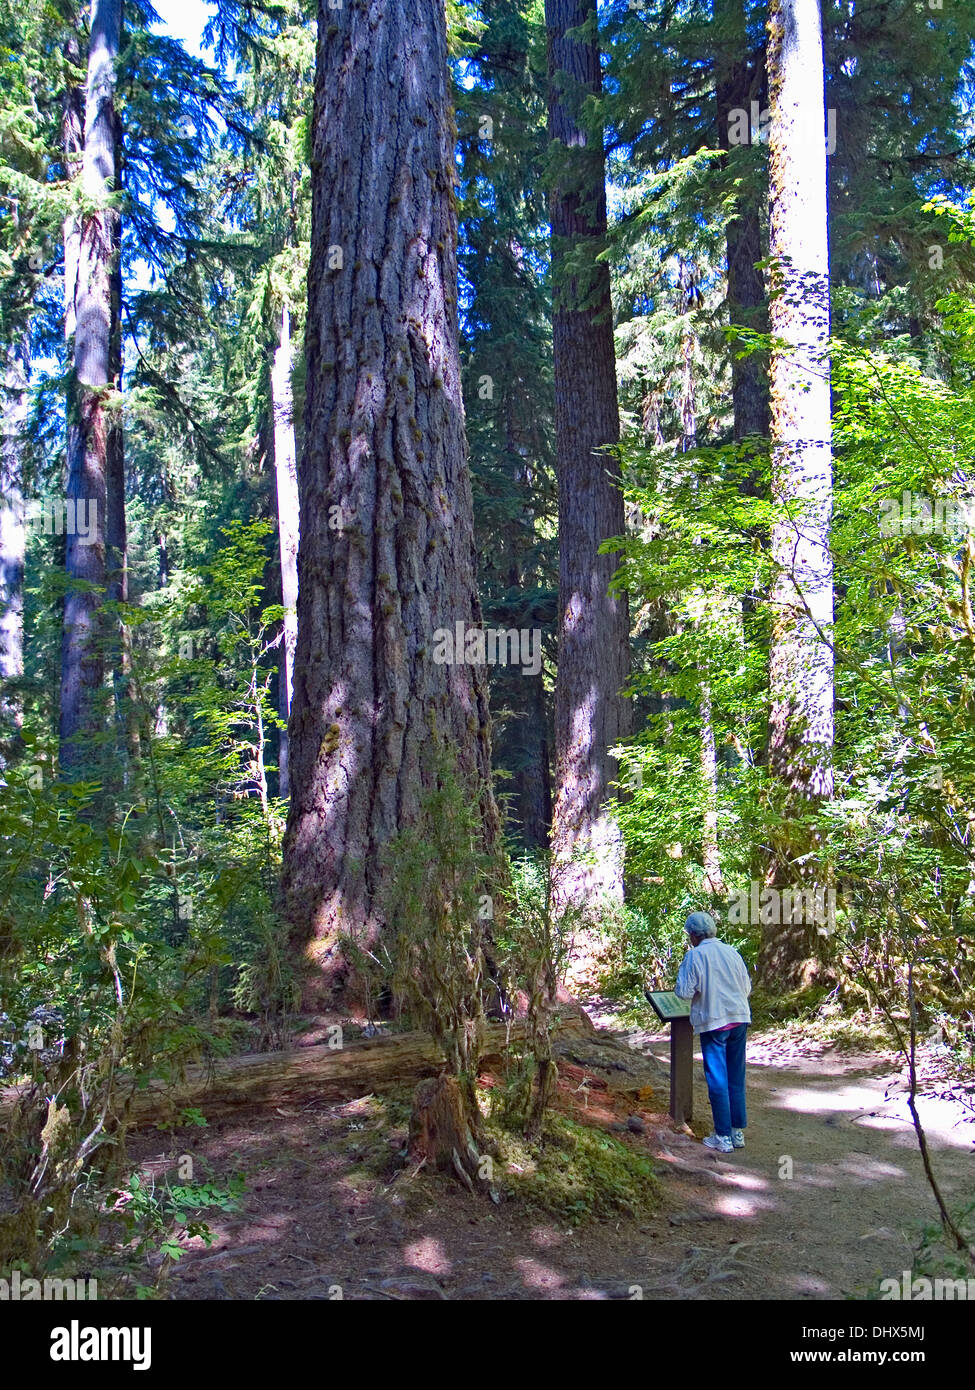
815 1016
576 1172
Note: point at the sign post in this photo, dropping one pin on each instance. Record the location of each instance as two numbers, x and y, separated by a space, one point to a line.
676 1012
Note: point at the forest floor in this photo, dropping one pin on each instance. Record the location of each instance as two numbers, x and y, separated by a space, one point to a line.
827 1197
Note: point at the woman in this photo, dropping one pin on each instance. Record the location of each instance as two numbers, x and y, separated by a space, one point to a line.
715 979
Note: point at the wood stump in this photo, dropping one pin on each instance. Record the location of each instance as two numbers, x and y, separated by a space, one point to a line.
442 1133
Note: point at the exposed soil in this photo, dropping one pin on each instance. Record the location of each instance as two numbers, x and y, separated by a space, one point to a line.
827 1197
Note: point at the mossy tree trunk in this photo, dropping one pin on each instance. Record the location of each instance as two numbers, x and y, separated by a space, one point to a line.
444 1131
801 662
95 520
13 420
286 476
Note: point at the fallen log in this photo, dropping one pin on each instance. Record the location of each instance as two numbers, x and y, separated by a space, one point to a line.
320 1072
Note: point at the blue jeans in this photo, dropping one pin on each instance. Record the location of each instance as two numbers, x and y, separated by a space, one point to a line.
724 1071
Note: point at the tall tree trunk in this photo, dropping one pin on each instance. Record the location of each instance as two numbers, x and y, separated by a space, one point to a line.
590 715
688 347
116 539
522 736
285 472
740 80
738 83
13 419
533 783
161 723
94 452
376 696
801 664
73 143
746 309
713 882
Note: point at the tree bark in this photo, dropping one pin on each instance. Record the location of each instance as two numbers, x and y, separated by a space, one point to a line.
116 538
590 715
801 663
533 780
94 436
386 559
13 414
746 309
710 847
740 80
441 1132
286 475
713 882
73 142
738 83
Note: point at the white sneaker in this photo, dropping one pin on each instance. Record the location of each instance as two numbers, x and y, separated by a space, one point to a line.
721 1142
738 1138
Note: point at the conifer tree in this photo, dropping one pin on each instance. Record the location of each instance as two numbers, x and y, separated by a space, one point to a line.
389 670
95 547
503 252
801 659
593 654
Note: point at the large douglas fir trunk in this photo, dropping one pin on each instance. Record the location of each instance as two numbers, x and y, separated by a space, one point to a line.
386 557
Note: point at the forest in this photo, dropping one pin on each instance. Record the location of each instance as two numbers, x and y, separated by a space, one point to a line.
481 486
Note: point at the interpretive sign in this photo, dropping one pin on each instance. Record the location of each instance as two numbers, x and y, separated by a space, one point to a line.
667 1006
676 1012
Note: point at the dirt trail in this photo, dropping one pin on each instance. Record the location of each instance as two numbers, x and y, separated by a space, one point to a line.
829 1193
730 1226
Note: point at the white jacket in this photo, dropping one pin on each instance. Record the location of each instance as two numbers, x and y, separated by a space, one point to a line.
715 978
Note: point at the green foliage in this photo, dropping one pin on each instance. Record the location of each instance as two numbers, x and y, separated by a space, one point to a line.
935 1257
120 916
896 838
534 940
435 889
533 946
164 1218
577 1173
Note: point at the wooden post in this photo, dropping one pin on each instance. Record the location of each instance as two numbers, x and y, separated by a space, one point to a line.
670 1008
682 1070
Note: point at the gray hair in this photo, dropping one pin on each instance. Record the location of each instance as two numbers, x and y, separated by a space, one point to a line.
701 924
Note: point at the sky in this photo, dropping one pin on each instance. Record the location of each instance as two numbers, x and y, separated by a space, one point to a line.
184 20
